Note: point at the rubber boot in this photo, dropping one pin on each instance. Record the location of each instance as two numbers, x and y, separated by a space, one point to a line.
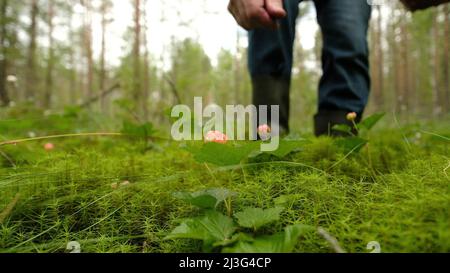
324 122
272 90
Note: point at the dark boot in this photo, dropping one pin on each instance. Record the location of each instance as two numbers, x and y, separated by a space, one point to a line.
324 122
271 90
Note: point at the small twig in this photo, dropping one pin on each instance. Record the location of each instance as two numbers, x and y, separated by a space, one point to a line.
331 240
9 208
8 158
14 142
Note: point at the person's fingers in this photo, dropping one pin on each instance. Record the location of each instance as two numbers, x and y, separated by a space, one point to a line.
251 15
236 14
262 19
275 8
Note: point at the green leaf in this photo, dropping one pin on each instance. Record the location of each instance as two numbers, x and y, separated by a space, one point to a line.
292 235
239 237
284 242
221 194
343 128
350 144
369 122
206 199
287 147
256 217
211 228
223 155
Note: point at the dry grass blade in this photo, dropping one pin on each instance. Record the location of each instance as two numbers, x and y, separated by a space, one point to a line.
14 142
331 240
9 208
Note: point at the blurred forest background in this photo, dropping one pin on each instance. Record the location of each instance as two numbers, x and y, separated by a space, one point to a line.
48 63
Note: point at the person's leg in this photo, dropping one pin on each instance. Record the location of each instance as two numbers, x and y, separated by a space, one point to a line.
270 63
345 84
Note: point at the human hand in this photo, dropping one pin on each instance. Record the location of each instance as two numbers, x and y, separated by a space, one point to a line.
251 14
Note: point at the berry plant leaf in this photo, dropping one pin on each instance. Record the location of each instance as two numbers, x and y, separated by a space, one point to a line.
206 199
223 155
343 128
287 147
256 217
211 228
284 242
201 200
350 144
369 122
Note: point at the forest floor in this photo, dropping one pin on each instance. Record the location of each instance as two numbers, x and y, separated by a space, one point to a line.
118 194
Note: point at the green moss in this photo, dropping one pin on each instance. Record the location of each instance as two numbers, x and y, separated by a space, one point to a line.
395 192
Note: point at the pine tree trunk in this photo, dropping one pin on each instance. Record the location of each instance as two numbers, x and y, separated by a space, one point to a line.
436 79
4 98
88 49
31 80
102 76
146 89
50 61
446 58
137 53
73 72
380 63
237 71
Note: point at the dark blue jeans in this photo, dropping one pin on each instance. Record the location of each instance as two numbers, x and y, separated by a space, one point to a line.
345 84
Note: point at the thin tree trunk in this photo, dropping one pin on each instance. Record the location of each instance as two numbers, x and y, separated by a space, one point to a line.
50 61
446 58
137 53
405 56
102 76
237 71
397 68
436 79
4 98
146 89
88 48
73 73
31 81
380 63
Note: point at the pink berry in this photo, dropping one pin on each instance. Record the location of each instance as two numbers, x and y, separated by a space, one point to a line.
217 137
49 146
264 132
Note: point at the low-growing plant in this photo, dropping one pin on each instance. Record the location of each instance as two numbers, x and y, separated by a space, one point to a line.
238 233
356 142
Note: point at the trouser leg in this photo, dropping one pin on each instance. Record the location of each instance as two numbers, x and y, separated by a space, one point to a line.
270 63
345 84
